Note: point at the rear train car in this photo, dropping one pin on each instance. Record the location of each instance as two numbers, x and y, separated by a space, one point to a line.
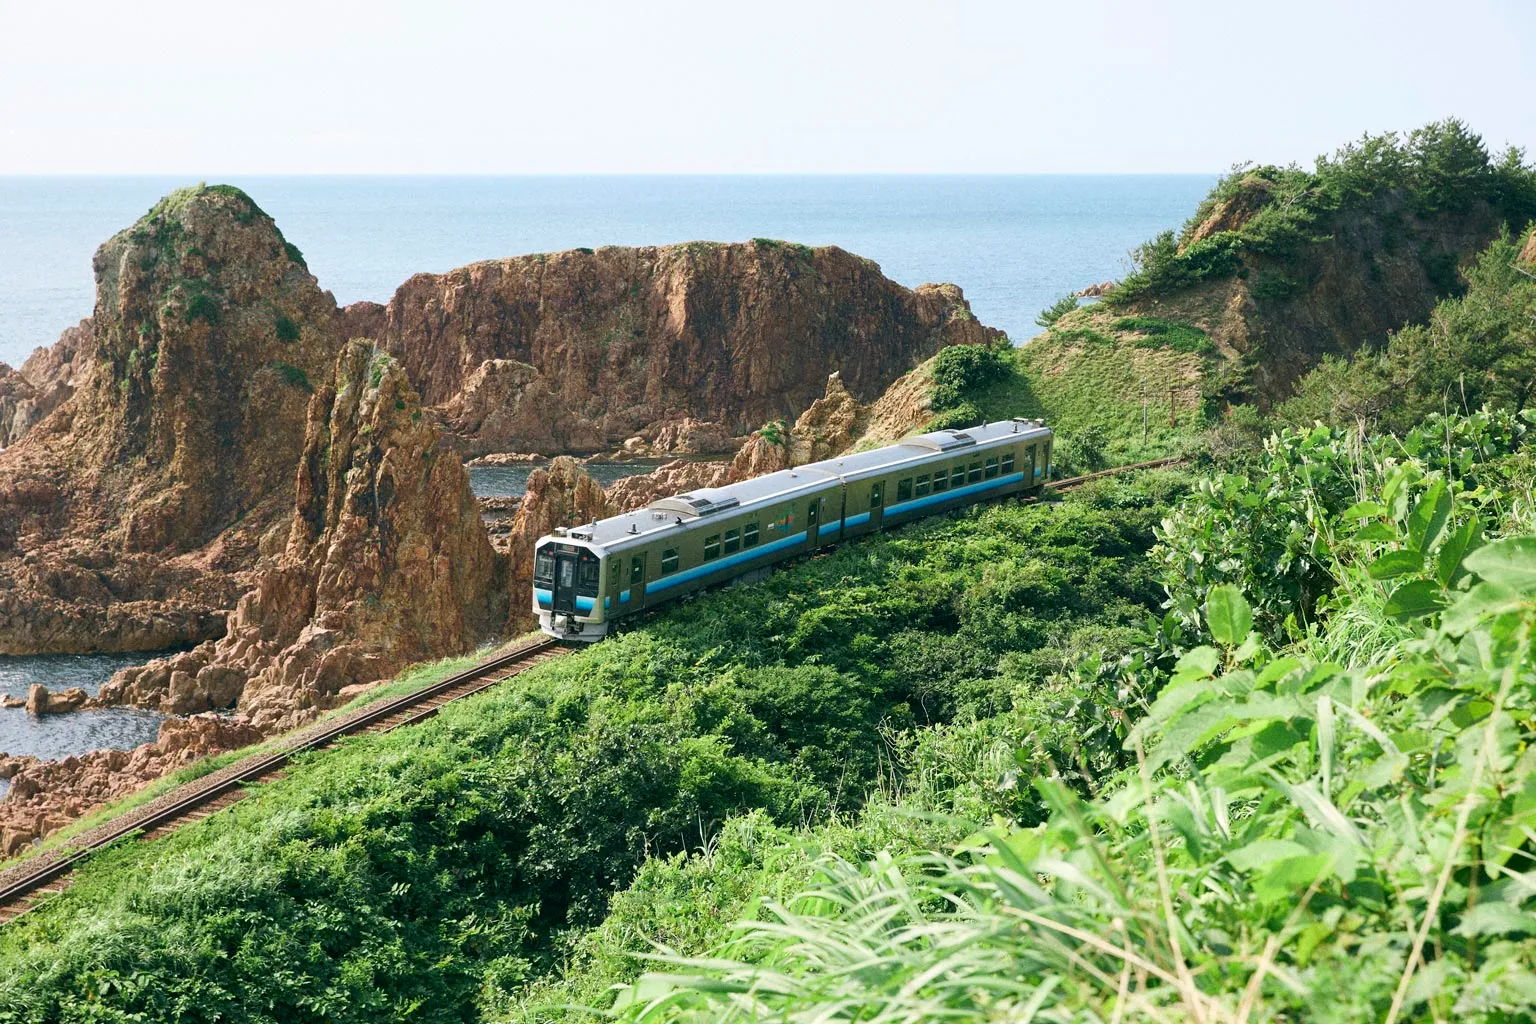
587 578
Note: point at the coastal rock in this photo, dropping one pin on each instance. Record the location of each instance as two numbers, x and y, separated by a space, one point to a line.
386 564
46 795
1097 291
136 509
675 477
41 702
1528 251
688 436
41 385
576 351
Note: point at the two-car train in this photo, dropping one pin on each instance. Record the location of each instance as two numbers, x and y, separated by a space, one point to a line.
587 578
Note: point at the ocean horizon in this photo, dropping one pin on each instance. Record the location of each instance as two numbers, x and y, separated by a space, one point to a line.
1013 243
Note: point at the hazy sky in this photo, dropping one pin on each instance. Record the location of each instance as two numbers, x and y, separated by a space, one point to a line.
321 86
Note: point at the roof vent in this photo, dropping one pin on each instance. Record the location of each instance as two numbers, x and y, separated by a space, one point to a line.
942 440
696 505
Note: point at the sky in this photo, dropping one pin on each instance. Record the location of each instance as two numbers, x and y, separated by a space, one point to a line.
784 86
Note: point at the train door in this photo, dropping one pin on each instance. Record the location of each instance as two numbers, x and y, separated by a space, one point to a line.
636 585
876 504
564 597
813 522
1030 481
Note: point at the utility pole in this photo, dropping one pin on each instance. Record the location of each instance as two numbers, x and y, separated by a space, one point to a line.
1172 419
1143 412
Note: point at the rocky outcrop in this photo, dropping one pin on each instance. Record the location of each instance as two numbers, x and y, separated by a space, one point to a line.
42 702
386 564
136 510
41 385
675 477
45 796
1528 251
577 351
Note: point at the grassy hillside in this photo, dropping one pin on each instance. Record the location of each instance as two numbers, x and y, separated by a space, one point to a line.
429 871
1327 813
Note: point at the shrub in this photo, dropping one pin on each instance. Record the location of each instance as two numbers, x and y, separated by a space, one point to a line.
1056 310
960 370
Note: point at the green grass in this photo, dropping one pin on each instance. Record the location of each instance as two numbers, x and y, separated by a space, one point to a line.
413 678
452 864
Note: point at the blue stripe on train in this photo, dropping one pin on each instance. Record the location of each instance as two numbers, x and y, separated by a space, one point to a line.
547 600
959 492
709 568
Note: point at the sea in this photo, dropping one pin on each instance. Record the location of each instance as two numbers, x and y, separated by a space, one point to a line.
1014 244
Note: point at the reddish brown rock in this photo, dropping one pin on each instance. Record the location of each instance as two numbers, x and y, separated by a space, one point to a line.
175 452
576 351
675 477
41 702
44 796
386 564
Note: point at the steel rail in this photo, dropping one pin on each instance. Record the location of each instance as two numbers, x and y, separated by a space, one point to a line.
366 717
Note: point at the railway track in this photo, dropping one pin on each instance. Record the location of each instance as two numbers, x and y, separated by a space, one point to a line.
32 882
1078 481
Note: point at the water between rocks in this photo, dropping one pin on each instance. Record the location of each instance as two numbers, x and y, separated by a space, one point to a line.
512 481
56 736
73 732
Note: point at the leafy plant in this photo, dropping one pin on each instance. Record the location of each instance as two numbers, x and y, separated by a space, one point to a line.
1056 310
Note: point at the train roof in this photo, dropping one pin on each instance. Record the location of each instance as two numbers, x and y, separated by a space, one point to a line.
697 506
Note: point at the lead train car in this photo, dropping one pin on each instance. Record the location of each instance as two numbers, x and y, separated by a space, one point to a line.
586 578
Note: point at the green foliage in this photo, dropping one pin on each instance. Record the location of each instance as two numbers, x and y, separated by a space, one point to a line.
1082 451
1296 838
294 376
295 254
1166 333
287 329
430 870
1056 310
960 370
1476 350
1161 267
1275 212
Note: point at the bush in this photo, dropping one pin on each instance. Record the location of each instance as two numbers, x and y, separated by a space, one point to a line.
961 370
1056 310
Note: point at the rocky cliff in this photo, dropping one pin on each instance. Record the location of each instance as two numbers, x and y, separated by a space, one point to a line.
386 563
139 502
578 351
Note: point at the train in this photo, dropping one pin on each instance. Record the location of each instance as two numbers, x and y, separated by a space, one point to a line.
587 579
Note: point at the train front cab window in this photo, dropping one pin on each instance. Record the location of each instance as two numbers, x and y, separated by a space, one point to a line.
711 546
669 561
904 490
544 567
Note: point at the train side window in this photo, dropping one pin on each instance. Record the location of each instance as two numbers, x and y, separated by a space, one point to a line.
876 495
749 535
941 481
992 467
975 473
590 575
1008 463
636 570
669 561
712 546
957 475
732 541
904 490
922 485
